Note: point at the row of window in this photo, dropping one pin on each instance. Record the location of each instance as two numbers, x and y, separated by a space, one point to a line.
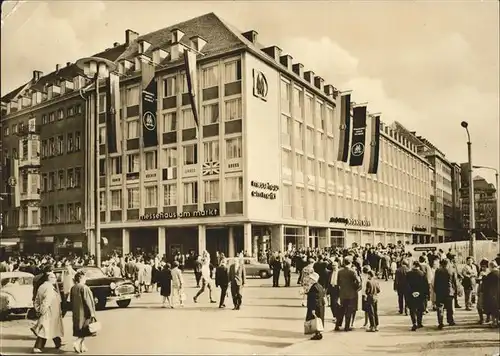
70 178
60 114
233 191
61 213
59 145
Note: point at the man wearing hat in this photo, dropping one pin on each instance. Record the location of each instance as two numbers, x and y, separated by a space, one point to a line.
349 285
333 288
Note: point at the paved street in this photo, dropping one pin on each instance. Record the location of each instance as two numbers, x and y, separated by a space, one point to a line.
271 322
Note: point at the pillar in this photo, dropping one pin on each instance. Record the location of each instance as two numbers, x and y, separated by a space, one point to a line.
202 238
162 241
91 242
231 248
278 238
247 238
125 241
306 237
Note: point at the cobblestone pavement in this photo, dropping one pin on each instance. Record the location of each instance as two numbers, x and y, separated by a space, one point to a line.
270 322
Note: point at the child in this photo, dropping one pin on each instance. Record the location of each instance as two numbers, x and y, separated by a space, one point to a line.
372 291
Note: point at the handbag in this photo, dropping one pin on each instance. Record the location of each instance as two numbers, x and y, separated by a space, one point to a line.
94 326
313 326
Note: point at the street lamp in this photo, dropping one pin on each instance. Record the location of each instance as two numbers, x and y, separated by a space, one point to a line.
96 68
497 193
472 212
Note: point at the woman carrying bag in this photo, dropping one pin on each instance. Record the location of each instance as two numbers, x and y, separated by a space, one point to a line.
315 317
84 321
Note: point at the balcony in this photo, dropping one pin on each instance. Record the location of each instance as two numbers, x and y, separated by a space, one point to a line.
30 196
32 227
24 130
29 161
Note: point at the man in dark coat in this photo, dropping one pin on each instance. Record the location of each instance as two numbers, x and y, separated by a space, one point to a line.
276 266
445 288
316 304
237 278
349 285
401 286
197 271
287 270
222 281
418 290
321 268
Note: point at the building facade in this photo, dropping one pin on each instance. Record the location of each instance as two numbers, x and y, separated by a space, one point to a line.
259 173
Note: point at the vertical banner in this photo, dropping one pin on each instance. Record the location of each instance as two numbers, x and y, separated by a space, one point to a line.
17 191
345 127
375 145
192 81
358 136
113 128
149 107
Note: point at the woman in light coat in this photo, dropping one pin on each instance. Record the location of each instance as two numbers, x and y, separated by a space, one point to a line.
177 285
148 275
48 306
82 302
306 281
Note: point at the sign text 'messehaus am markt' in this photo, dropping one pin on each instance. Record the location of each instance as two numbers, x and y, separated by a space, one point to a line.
184 215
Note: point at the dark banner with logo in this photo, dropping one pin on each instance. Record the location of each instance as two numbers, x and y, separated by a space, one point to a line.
149 97
345 127
358 136
113 132
375 145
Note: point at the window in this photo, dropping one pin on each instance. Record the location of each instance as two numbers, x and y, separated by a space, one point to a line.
78 109
77 141
78 212
24 217
233 109
60 114
102 167
102 135
285 97
211 151
51 215
70 111
169 88
184 83
14 129
330 122
6 131
35 219
211 191
45 149
299 132
25 149
188 119
102 103
132 129
151 160
320 117
286 130
24 183
171 157
133 198
102 201
78 177
133 163
60 177
234 189
116 200
210 114
132 96
232 71
210 76
60 145
299 163
151 197
286 159
321 170
116 165
190 193
71 179
309 109
310 141
71 213
52 181
310 167
190 154
52 117
71 143
170 195
45 215
52 146
298 102
233 148
287 200
34 183
170 122
45 182
44 119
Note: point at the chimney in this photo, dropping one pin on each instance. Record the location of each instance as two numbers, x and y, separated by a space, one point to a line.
176 35
319 82
298 68
36 75
309 76
116 44
176 51
198 43
273 52
68 64
286 61
130 36
58 66
251 36
328 89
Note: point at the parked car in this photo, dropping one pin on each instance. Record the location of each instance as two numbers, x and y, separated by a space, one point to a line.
16 293
254 268
105 289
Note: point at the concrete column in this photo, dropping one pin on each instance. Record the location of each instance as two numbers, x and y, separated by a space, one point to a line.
125 241
306 239
247 238
231 248
91 242
162 241
202 238
278 238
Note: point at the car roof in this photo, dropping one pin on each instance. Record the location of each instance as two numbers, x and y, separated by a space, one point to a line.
15 274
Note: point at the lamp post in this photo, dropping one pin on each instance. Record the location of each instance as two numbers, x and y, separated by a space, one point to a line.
472 212
497 195
96 68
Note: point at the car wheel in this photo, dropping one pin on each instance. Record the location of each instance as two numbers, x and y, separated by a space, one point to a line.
123 303
263 274
100 303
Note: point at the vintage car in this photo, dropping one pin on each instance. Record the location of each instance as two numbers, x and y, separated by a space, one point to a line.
254 268
16 293
105 289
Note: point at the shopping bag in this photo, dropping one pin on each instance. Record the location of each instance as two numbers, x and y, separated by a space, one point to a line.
93 326
313 326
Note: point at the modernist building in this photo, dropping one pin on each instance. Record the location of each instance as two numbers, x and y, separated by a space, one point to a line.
260 172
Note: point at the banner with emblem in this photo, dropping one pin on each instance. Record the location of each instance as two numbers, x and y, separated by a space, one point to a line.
375 145
113 129
358 136
149 97
345 127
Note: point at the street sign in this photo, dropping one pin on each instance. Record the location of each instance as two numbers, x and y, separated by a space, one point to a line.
425 248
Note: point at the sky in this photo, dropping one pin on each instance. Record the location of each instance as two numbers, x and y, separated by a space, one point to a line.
428 65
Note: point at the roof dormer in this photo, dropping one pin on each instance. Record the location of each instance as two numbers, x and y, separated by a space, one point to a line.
286 61
319 82
298 68
309 76
159 55
274 52
198 43
143 46
176 35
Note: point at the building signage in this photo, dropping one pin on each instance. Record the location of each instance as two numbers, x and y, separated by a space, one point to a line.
352 222
425 248
269 190
260 86
419 228
358 136
183 215
12 181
